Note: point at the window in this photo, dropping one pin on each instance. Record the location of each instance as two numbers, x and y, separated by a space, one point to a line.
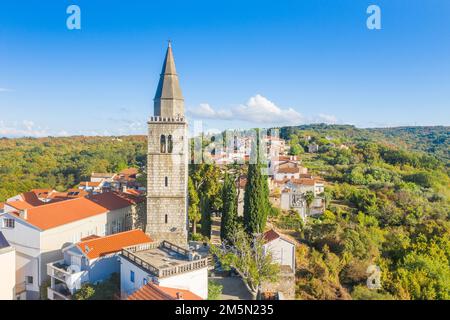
29 280
8 223
132 276
75 260
163 144
166 218
166 181
169 144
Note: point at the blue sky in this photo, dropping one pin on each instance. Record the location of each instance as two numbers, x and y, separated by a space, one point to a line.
241 63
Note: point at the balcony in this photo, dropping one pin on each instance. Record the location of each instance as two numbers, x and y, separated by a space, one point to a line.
58 270
20 288
59 292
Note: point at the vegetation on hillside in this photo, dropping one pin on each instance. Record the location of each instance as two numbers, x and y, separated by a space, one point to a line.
388 206
387 198
61 163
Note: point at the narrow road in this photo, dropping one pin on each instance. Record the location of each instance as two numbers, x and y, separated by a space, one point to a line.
215 230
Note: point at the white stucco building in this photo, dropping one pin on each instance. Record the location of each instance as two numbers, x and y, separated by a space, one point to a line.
281 249
39 231
92 260
163 264
7 270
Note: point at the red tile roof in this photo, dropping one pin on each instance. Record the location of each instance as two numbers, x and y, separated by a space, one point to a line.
94 248
270 235
129 172
2 205
20 205
89 184
288 170
153 292
51 215
133 192
306 182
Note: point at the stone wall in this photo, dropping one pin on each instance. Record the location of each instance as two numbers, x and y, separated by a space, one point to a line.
285 284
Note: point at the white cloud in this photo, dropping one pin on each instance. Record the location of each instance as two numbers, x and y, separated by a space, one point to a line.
25 128
63 133
258 109
28 124
5 90
326 118
205 111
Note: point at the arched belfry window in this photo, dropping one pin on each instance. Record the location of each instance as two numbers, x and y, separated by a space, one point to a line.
163 144
213 151
169 144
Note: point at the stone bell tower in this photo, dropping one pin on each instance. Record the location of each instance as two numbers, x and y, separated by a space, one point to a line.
167 162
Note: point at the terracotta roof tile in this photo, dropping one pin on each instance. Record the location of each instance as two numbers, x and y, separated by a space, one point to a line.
288 170
89 184
270 235
153 292
306 182
54 214
20 205
94 248
129 172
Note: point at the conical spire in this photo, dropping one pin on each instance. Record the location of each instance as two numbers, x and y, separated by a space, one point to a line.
169 62
168 97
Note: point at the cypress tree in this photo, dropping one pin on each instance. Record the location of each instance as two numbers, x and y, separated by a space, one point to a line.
229 208
256 197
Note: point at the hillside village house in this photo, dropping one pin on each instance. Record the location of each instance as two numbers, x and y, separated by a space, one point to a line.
282 251
39 230
313 148
91 260
7 270
163 264
105 182
92 187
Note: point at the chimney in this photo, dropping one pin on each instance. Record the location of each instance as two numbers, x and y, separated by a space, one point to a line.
23 214
180 296
124 188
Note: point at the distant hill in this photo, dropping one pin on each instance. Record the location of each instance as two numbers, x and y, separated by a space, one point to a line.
432 140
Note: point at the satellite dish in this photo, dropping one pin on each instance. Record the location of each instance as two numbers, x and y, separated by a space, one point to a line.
73 269
72 281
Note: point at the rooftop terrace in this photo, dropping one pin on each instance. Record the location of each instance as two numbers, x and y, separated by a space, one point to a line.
164 259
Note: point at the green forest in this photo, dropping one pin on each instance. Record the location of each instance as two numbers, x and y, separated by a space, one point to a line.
387 198
387 205
61 163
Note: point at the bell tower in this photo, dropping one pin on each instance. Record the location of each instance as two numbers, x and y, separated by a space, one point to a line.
167 162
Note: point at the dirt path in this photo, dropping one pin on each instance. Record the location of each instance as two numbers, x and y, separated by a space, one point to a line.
215 230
